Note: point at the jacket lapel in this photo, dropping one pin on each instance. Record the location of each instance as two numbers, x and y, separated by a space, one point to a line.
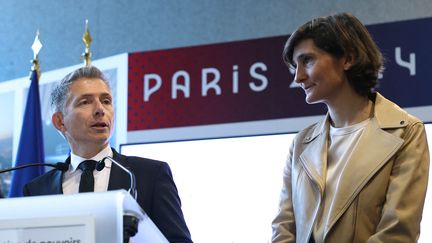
362 166
54 183
119 179
313 161
314 157
366 160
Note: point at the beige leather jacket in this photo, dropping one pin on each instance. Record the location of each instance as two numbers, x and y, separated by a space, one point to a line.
380 197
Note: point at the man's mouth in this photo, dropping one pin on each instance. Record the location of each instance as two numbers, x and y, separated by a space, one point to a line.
100 125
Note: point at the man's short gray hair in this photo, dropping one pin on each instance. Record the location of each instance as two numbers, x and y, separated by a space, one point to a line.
61 91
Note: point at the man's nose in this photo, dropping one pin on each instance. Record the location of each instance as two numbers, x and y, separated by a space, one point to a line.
99 109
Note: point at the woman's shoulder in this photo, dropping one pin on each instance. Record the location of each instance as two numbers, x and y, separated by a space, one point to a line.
391 115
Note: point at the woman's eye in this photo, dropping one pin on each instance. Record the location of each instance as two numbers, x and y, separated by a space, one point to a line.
307 60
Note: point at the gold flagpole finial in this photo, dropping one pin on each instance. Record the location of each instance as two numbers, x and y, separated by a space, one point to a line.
36 47
87 40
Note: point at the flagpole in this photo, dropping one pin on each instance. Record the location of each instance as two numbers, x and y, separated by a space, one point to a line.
30 147
36 47
87 39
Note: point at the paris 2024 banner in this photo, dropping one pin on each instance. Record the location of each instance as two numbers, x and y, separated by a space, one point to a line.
246 81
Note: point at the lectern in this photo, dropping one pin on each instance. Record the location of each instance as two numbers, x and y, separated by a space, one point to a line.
77 218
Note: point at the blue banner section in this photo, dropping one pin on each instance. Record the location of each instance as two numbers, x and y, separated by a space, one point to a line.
407 48
30 148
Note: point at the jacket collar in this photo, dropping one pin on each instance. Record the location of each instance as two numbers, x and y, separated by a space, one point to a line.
119 179
387 114
364 162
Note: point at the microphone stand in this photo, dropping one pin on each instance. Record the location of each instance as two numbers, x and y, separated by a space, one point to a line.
60 166
132 189
130 221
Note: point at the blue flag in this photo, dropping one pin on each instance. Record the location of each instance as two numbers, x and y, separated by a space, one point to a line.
30 148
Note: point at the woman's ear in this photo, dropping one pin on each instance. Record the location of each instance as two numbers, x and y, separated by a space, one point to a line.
348 62
57 121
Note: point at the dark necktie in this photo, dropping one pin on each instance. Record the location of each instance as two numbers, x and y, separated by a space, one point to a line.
87 179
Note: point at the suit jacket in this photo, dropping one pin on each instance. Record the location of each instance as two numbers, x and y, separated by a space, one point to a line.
157 192
380 195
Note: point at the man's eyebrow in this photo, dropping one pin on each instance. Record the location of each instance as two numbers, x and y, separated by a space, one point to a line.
106 94
94 94
85 95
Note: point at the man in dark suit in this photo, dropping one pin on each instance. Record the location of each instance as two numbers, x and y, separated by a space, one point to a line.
84 114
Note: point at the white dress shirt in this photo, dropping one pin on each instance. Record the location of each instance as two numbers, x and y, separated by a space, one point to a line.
71 178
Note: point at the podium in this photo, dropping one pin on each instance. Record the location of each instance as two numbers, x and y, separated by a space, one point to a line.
78 218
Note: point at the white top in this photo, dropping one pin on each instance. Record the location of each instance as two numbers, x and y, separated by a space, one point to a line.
342 142
71 178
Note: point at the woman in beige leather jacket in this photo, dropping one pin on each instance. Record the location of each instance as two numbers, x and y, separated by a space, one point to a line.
359 175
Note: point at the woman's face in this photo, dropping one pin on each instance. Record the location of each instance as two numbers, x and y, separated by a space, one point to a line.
321 75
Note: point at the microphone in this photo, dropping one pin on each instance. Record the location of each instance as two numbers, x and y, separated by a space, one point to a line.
132 189
59 166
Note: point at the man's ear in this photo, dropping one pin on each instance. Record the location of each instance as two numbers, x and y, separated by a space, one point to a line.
57 121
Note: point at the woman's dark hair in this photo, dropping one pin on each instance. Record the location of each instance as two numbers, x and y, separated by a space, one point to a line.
342 35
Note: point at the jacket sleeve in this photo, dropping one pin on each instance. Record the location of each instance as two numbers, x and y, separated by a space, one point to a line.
402 210
283 225
167 213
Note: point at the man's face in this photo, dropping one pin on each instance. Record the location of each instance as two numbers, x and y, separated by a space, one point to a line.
88 117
